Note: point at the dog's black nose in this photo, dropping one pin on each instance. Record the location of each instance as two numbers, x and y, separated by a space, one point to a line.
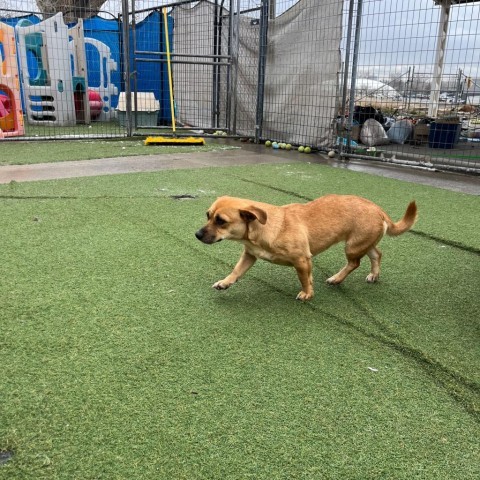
199 234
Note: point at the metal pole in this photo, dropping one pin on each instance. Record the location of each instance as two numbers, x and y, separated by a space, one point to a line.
411 73
228 110
216 16
126 73
406 90
235 61
219 70
181 62
181 55
272 13
439 57
134 73
458 86
262 64
345 71
356 48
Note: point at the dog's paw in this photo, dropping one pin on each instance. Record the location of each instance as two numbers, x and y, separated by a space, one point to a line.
333 280
372 278
303 297
221 285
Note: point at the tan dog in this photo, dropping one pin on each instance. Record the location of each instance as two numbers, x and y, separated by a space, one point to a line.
293 234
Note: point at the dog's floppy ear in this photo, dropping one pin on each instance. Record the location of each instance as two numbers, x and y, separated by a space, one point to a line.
252 213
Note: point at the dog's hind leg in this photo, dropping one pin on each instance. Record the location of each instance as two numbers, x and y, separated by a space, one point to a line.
352 264
354 253
375 256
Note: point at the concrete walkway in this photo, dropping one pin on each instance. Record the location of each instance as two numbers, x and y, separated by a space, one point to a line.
247 154
143 163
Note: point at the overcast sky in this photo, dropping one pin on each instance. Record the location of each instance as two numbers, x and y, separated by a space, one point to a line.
404 33
395 34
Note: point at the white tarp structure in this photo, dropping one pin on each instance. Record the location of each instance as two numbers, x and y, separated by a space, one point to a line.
366 87
301 84
302 72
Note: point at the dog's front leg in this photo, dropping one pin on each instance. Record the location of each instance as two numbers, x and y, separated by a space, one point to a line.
304 271
245 262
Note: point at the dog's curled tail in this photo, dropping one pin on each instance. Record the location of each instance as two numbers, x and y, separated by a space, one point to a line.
405 224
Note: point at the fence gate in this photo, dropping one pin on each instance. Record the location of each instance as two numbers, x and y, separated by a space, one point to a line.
206 62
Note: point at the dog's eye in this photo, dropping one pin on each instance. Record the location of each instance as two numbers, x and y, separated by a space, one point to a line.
220 221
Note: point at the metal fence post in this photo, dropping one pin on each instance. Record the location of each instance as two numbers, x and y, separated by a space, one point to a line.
235 59
262 63
346 72
356 48
126 72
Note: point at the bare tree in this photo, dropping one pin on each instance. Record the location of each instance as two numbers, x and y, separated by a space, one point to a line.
421 83
72 9
7 8
397 83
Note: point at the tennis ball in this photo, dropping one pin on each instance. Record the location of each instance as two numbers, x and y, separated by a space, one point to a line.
331 153
288 146
268 143
282 145
307 150
301 148
275 145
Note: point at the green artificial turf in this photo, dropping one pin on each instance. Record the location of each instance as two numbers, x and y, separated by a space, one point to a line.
94 128
118 359
26 153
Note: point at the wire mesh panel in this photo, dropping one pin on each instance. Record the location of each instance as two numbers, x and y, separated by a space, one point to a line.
202 60
384 79
277 69
302 68
413 81
248 48
61 77
149 76
215 65
182 53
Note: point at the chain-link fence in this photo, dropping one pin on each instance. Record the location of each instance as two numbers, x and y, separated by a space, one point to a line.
386 80
411 72
60 75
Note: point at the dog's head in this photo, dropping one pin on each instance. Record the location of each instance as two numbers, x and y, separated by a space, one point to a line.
228 219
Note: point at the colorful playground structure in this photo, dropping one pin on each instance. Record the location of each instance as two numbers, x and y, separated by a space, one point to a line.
44 58
105 88
79 74
11 117
54 70
45 66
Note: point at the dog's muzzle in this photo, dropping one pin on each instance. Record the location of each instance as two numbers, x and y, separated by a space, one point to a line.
205 237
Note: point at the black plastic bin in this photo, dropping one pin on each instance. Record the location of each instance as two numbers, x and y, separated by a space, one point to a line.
443 135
